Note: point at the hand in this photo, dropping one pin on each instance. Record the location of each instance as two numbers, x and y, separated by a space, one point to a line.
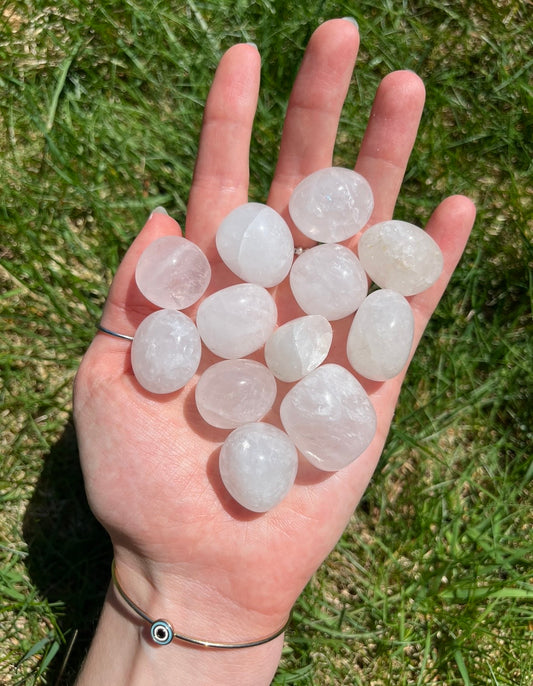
184 549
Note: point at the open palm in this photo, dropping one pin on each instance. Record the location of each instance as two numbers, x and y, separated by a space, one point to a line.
150 462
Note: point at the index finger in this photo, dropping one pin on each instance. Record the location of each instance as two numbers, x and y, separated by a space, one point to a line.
220 181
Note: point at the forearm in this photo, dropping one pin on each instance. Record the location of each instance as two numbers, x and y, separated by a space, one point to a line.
123 654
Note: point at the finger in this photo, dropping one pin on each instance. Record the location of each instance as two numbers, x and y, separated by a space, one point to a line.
125 306
221 176
314 110
389 138
450 226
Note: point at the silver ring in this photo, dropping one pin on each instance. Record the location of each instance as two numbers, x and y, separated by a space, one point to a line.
113 333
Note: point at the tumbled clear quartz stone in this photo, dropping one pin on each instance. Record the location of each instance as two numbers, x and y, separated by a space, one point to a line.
328 280
258 465
172 272
329 417
235 392
255 242
298 347
400 256
165 352
381 335
237 320
331 204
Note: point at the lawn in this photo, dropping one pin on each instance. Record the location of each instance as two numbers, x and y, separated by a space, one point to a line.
100 110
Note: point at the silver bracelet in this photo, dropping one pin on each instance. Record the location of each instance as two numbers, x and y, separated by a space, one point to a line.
162 632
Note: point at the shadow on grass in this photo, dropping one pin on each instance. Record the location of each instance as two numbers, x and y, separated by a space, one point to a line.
69 554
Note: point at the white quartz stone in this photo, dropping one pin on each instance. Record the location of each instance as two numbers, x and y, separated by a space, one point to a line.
328 280
331 204
165 351
258 465
255 242
298 347
381 335
329 417
172 272
400 256
235 392
237 320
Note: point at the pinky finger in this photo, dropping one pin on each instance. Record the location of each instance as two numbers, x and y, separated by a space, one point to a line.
450 226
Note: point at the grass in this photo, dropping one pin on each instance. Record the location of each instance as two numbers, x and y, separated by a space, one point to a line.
100 110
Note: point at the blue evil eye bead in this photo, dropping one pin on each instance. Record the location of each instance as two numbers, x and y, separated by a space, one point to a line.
161 632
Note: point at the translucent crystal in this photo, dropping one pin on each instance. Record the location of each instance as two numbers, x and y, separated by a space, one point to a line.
165 351
235 392
237 320
329 417
298 347
381 335
400 256
332 204
328 280
172 272
255 242
258 465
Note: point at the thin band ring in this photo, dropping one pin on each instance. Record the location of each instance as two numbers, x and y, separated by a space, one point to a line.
113 333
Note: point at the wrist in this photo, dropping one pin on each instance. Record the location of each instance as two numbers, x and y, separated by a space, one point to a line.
123 648
204 604
162 632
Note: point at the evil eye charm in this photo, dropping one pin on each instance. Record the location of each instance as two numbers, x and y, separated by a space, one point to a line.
161 632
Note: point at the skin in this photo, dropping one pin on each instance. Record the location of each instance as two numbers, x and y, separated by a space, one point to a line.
184 549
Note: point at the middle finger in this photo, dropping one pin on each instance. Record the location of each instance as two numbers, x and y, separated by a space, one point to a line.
314 110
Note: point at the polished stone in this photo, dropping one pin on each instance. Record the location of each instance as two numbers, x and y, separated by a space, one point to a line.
328 280
331 205
255 242
258 465
298 347
172 273
329 417
165 351
237 320
381 335
235 392
400 256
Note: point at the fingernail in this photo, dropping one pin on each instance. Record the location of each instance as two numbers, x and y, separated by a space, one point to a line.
158 210
252 44
351 20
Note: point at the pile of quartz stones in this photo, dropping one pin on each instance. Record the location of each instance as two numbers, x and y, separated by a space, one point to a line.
326 415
